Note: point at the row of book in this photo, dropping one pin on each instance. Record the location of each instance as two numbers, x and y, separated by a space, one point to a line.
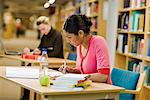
137 45
122 41
134 3
123 21
137 19
148 48
94 23
88 9
134 66
147 69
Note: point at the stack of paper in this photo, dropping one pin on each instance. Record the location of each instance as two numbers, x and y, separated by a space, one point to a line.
54 74
70 81
21 72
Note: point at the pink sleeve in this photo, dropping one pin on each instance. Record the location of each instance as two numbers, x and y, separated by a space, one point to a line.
102 56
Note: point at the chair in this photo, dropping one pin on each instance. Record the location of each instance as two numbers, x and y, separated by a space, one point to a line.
131 81
72 56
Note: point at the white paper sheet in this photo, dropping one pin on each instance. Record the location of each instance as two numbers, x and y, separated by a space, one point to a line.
22 72
54 74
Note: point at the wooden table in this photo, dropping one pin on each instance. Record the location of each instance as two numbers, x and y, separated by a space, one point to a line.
53 62
95 91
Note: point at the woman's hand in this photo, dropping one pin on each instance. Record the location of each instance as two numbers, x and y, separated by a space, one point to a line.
26 51
36 51
63 69
68 70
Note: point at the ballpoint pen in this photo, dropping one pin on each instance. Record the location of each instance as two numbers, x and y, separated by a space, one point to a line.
65 66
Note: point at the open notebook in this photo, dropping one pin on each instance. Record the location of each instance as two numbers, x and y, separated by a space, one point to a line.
8 52
21 72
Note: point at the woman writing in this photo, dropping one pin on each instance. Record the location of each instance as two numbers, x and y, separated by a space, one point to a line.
92 51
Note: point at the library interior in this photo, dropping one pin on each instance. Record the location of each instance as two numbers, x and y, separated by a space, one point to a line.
74 49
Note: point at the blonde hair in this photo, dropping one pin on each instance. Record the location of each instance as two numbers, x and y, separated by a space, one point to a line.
42 20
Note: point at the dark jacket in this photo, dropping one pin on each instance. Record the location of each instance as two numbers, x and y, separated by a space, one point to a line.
53 42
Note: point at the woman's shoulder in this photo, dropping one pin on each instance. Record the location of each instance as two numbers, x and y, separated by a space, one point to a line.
98 39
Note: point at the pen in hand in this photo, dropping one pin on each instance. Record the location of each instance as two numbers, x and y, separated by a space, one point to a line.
64 67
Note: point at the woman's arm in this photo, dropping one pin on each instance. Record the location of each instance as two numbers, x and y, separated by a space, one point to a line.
97 77
72 70
69 70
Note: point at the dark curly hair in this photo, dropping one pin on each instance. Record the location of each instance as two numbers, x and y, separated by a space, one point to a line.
74 23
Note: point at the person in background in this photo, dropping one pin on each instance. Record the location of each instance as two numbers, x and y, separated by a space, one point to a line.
20 28
92 51
51 39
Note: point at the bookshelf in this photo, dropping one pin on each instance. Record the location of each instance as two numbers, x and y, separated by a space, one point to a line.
133 36
91 8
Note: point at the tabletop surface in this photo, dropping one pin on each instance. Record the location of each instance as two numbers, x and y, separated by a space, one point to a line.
34 84
50 60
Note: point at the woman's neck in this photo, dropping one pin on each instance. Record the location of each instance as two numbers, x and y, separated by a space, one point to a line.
48 29
86 40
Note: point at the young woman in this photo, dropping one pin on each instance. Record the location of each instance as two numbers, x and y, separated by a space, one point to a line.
51 39
92 51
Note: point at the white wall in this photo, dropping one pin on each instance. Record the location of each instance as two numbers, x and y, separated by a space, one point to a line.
112 29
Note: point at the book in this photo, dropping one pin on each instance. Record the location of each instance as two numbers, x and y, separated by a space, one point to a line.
21 72
123 21
54 74
125 41
75 77
147 69
95 7
137 45
134 66
141 23
137 21
148 48
120 43
70 81
126 3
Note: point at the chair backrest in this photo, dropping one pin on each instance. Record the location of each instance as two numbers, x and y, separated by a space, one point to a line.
72 56
126 79
140 81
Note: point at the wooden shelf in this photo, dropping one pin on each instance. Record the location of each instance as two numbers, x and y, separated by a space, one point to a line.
119 53
139 8
90 1
129 12
136 33
93 15
80 4
147 59
122 31
94 30
135 19
148 33
124 10
131 9
147 87
134 40
135 56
